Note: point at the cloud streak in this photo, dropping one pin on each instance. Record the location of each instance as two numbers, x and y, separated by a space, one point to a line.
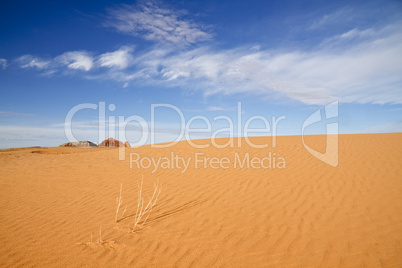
357 65
367 71
119 59
76 60
339 16
5 113
29 61
3 63
156 24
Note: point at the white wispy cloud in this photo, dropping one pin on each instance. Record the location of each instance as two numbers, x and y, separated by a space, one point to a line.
20 136
3 63
395 126
29 61
342 15
356 35
120 59
358 65
367 71
76 60
156 24
6 113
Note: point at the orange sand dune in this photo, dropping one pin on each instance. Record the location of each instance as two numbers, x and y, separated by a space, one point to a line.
304 213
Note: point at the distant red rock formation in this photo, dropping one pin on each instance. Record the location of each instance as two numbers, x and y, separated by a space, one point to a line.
79 144
127 144
113 143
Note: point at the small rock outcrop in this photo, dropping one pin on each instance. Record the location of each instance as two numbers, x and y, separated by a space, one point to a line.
79 144
113 143
127 144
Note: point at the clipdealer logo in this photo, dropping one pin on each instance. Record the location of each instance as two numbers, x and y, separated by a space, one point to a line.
147 131
331 155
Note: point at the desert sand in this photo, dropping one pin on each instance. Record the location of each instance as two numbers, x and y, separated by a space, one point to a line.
305 214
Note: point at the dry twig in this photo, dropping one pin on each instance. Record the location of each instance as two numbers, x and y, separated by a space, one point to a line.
99 241
119 201
141 210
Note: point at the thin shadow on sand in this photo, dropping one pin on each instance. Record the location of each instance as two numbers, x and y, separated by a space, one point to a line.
172 212
159 215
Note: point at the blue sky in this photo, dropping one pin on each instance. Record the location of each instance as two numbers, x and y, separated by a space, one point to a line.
278 58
